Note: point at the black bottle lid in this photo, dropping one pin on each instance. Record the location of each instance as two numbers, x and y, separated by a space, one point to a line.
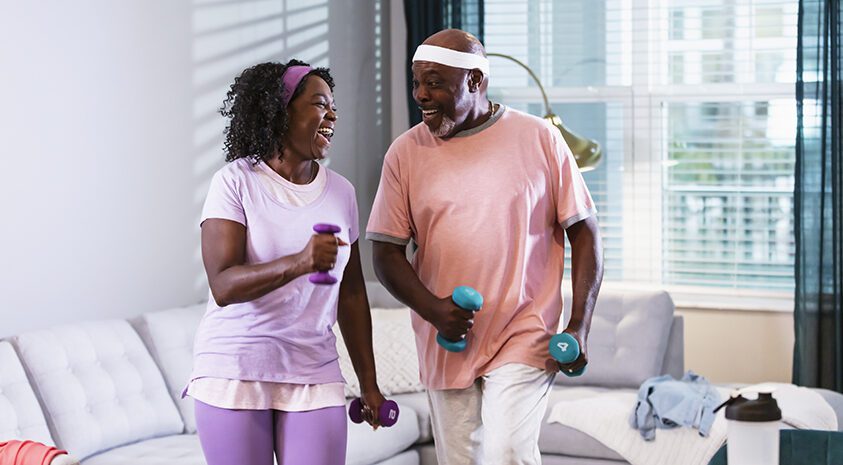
764 408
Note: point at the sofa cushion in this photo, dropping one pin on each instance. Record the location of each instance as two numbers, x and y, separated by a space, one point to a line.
835 400
98 384
409 457
169 335
180 449
366 447
555 438
20 415
395 354
628 338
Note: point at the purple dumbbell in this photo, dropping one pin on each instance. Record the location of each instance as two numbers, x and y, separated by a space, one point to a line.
323 277
387 416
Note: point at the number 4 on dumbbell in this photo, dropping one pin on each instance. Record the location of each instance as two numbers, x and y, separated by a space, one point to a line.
564 348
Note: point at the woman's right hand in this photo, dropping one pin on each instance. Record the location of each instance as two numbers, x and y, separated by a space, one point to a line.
372 401
320 253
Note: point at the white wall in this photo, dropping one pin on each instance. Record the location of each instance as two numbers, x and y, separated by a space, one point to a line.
400 113
109 137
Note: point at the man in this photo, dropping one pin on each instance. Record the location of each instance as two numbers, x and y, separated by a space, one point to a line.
487 194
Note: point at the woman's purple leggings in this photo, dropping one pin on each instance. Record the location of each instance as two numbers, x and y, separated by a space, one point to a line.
238 437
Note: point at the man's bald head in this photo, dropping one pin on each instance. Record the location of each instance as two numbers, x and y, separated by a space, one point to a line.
458 40
450 77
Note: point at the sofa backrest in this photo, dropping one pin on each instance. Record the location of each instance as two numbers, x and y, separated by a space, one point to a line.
169 334
621 317
629 337
20 415
634 335
98 385
394 346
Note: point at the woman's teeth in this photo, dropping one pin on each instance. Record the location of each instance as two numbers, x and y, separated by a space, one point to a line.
429 112
327 132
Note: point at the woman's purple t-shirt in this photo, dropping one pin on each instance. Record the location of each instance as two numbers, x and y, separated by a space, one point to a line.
284 336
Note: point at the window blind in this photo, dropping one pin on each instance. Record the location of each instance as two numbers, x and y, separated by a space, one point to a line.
693 104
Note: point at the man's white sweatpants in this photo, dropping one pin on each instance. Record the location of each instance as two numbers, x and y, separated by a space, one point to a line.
495 421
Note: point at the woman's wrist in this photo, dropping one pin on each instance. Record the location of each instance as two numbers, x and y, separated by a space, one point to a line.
298 265
369 384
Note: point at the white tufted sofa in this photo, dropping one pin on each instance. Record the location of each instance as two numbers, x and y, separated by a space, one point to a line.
110 391
20 414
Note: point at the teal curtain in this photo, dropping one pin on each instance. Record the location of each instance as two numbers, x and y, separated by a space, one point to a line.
818 197
426 17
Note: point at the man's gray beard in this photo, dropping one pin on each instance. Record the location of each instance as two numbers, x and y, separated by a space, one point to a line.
445 127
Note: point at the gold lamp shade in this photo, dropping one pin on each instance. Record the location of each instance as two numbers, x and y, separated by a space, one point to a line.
587 152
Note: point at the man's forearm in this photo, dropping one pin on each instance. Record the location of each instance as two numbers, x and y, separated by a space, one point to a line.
586 271
400 279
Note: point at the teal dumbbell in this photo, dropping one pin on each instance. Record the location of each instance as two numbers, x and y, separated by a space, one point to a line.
469 300
564 348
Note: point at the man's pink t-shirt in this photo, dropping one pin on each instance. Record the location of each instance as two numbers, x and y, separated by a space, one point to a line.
487 209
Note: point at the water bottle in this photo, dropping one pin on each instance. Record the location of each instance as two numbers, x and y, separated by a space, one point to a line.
753 428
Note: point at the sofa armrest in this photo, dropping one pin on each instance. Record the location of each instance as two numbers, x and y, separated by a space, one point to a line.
674 355
64 459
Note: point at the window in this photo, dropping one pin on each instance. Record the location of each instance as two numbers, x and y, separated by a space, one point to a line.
677 24
716 22
693 104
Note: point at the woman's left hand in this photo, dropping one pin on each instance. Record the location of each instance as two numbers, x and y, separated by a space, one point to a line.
372 401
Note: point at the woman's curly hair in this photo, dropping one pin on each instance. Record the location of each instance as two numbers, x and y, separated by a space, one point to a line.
259 121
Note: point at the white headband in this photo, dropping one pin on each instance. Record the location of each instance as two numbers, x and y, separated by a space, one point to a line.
452 58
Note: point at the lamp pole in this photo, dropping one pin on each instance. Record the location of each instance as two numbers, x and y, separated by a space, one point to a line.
547 110
587 152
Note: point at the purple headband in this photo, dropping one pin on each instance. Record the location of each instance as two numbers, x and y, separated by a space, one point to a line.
291 79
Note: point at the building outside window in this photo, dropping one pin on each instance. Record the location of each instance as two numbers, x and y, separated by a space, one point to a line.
693 102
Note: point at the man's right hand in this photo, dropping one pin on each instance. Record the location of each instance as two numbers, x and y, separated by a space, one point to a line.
450 320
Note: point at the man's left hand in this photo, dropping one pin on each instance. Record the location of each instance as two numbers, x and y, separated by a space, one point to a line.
582 338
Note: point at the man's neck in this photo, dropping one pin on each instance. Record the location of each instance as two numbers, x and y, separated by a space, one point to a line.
481 113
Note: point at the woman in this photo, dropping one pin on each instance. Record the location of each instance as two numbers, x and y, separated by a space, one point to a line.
266 377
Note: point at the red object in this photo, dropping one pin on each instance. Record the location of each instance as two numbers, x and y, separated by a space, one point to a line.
27 453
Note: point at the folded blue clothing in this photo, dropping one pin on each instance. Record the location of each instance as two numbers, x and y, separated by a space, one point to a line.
664 403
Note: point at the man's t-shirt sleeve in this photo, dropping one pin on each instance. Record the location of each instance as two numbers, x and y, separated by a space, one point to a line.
389 220
573 200
222 200
354 231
